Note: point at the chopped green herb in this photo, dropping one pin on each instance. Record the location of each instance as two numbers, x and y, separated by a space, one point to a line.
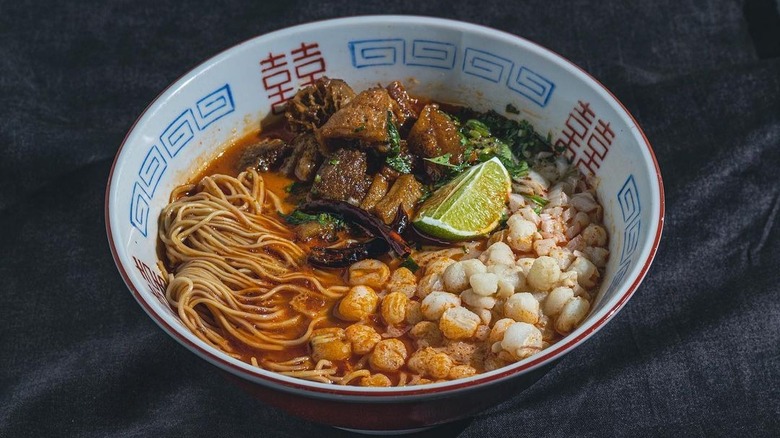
298 217
538 200
317 178
537 209
392 134
475 129
333 161
410 264
443 160
360 128
488 146
394 158
511 109
399 163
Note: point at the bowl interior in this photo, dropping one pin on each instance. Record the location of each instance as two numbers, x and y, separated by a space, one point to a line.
220 100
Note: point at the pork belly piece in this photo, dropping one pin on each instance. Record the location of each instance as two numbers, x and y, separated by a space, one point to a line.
377 191
405 192
433 135
361 123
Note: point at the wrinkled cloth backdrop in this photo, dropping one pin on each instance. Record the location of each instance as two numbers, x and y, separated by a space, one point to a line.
696 352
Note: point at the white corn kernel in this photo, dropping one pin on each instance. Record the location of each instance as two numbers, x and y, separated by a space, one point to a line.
473 266
594 235
542 247
362 337
556 300
484 284
358 303
485 315
402 280
498 252
458 323
388 355
544 273
521 340
587 273
438 265
525 263
454 278
522 307
393 308
521 233
369 272
477 301
428 284
497 332
434 305
571 315
329 344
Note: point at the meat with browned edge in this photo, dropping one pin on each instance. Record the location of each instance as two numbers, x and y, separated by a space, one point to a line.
343 177
265 155
305 158
404 111
405 192
312 106
377 191
433 135
361 123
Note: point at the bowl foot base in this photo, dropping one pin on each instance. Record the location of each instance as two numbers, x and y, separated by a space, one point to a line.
386 432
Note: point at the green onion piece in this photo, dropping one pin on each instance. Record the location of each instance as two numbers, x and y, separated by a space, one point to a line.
410 264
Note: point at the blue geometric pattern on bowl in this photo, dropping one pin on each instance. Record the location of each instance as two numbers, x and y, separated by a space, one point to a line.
178 134
630 209
486 65
443 55
370 53
435 54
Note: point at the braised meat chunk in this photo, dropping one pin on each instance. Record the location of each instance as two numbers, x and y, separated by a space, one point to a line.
305 158
376 192
433 135
405 105
312 106
343 177
265 155
405 192
362 122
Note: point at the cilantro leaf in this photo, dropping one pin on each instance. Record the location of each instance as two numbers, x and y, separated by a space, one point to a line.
394 158
443 160
399 163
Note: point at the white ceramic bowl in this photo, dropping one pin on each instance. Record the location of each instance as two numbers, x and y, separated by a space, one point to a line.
217 102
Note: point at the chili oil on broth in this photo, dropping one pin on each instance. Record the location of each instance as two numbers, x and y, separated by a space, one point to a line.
312 295
229 163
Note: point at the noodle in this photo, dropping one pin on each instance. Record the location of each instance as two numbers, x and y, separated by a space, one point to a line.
237 269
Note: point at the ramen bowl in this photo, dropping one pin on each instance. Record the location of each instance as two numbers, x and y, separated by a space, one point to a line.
199 115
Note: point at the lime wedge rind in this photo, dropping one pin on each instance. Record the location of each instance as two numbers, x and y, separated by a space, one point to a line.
469 206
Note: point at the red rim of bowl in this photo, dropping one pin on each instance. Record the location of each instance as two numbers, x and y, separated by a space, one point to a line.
549 355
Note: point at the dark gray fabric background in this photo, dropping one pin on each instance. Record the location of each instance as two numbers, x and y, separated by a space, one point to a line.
696 352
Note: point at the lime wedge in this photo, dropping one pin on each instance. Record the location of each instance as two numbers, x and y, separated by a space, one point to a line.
468 206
